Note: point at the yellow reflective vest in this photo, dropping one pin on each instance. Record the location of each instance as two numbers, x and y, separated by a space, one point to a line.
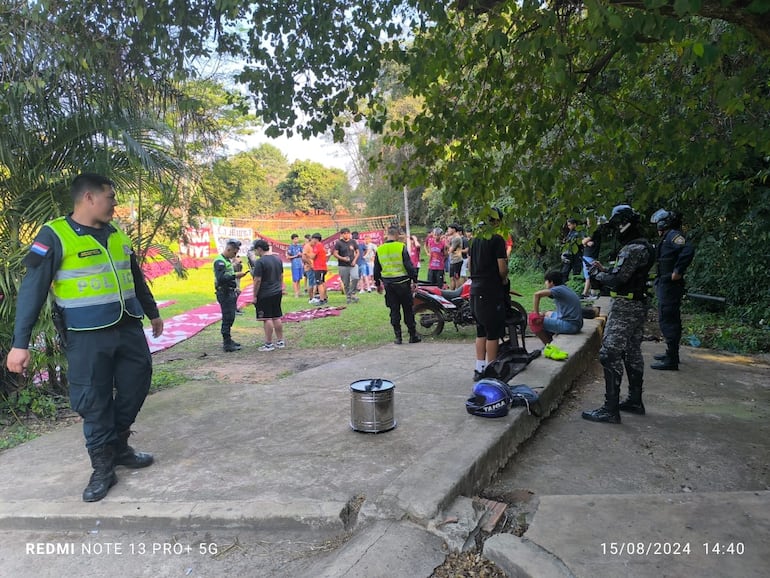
391 257
94 286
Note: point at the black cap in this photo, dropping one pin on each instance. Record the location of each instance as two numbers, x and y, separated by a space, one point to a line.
234 243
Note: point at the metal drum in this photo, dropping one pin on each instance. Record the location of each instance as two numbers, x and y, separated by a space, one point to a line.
371 405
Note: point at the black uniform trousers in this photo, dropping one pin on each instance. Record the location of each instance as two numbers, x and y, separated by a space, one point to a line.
109 373
227 299
398 296
669 294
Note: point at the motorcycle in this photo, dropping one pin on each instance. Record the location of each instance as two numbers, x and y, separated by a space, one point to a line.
434 307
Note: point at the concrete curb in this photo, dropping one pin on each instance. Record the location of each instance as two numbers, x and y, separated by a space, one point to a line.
472 466
521 558
305 515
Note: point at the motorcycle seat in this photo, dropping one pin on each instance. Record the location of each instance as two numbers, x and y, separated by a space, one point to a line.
450 294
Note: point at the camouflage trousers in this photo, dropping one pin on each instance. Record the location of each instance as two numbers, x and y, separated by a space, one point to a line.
622 343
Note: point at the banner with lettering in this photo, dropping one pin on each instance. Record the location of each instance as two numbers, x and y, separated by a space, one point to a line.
196 242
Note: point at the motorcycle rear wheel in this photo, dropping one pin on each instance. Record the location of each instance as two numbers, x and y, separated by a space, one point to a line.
429 320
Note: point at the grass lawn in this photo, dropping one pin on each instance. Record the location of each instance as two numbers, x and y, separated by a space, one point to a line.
362 325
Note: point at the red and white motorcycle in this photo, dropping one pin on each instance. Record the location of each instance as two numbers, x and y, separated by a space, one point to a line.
434 306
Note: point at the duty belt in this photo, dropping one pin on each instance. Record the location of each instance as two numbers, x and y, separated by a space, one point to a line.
631 295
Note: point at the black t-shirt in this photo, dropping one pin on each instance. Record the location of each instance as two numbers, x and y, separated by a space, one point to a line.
346 249
592 251
270 269
485 275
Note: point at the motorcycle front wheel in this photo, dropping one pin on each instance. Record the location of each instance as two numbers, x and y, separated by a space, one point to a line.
428 319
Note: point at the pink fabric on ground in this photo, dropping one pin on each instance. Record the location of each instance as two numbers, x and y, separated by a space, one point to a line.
308 314
183 326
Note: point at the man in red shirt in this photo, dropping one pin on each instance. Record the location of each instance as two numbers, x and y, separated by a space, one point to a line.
319 268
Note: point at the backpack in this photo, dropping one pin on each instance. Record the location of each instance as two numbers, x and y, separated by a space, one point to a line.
510 361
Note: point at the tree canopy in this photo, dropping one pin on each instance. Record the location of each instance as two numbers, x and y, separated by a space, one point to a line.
548 109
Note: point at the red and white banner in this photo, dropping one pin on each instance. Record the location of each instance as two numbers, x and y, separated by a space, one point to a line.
196 242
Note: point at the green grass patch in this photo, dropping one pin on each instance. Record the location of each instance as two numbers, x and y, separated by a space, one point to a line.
15 435
724 332
194 291
163 378
359 326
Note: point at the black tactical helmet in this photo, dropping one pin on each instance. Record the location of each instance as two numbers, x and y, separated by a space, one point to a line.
623 214
664 219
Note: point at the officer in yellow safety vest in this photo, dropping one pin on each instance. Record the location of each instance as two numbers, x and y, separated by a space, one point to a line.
100 296
393 268
226 280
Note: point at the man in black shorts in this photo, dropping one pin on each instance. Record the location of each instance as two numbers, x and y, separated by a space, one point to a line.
268 292
488 267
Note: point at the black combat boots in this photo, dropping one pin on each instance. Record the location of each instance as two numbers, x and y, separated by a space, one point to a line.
398 340
669 361
609 412
103 477
413 337
633 403
230 345
126 456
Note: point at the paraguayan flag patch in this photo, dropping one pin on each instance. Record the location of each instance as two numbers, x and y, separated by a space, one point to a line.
40 249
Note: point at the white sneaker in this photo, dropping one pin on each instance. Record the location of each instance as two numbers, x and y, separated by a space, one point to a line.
315 301
280 344
266 347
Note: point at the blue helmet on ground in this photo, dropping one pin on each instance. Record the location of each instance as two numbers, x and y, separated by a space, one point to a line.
491 398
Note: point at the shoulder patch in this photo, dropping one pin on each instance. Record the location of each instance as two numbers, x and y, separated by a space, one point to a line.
678 240
40 249
37 253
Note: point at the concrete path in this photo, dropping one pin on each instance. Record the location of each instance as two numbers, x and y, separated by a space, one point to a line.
270 480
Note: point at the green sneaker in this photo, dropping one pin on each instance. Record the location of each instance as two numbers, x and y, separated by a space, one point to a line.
552 352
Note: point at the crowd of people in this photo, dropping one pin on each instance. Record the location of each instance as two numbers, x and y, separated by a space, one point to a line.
455 256
100 297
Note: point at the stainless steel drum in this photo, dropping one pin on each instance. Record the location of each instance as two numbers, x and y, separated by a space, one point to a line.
371 405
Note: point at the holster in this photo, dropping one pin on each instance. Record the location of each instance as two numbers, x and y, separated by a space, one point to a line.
57 316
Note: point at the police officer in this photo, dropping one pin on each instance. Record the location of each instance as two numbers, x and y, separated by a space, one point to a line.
226 287
393 268
622 341
572 250
101 295
674 256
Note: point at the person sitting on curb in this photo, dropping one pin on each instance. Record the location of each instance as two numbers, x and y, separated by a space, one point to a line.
567 319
